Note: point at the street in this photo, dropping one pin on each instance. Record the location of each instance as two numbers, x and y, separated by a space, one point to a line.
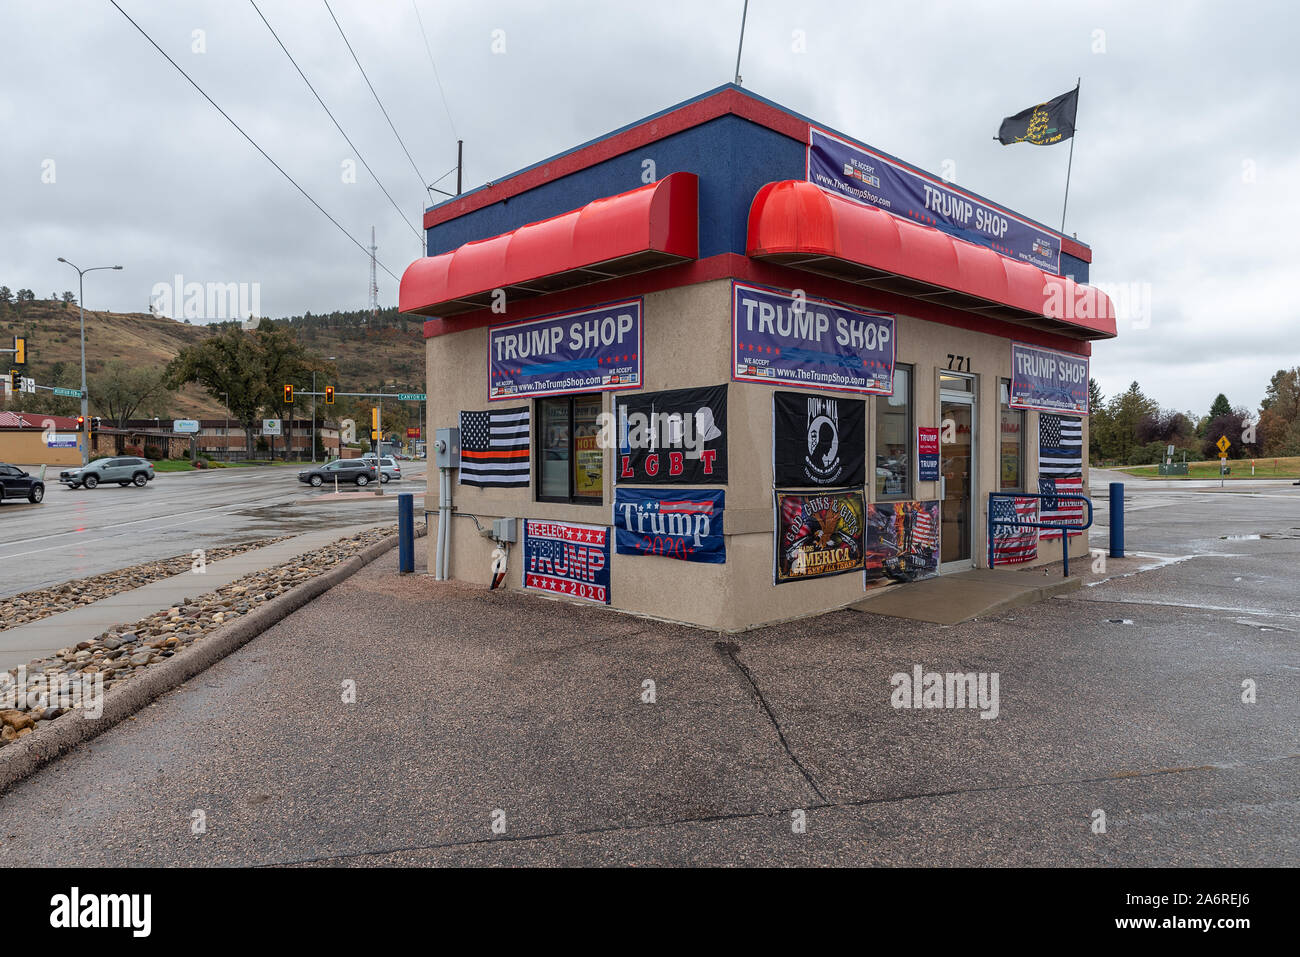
1122 703
81 532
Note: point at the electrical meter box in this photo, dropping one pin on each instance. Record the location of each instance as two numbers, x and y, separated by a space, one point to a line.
505 530
446 448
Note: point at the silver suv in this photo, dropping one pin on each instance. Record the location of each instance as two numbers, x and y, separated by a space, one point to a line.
390 470
124 470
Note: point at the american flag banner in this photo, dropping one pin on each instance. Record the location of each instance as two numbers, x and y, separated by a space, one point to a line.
494 448
1014 544
925 530
1060 469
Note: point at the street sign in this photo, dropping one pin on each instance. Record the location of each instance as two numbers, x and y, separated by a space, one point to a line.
1223 444
185 425
412 396
270 426
70 393
29 385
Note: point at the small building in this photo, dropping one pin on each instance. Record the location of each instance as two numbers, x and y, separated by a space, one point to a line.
34 438
728 366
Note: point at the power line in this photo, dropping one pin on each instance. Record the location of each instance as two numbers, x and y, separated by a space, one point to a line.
436 78
423 181
246 136
335 121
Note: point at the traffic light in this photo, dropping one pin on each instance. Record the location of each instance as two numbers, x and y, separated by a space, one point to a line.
329 395
81 422
20 350
374 424
288 394
15 380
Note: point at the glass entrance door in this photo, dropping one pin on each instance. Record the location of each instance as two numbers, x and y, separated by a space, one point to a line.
957 468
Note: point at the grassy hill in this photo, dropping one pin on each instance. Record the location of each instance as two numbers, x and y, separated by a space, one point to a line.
369 353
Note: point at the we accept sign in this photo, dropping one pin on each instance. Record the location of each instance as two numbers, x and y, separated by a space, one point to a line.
780 338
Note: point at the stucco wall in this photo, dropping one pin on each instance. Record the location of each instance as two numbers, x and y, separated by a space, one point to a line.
28 448
688 343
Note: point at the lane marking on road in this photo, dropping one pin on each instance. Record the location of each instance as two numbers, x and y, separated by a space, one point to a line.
1256 612
103 538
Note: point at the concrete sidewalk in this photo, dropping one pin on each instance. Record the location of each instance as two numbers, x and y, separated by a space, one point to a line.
978 593
38 639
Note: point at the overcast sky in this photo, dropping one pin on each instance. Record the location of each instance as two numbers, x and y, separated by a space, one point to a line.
1185 165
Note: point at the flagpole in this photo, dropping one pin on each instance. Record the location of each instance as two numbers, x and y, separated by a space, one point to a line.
1070 165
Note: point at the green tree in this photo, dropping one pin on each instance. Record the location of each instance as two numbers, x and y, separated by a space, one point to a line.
226 364
1279 414
1126 412
68 298
6 295
1220 407
121 389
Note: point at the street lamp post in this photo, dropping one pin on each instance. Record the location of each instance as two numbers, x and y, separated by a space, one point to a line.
81 306
225 436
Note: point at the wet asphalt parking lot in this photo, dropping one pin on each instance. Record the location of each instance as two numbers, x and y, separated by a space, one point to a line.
79 532
1124 697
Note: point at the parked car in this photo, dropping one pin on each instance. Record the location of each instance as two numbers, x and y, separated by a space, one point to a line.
360 471
391 470
124 470
15 483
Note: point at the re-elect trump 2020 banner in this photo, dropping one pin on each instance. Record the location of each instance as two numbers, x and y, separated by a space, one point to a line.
1048 381
597 350
677 523
868 177
782 339
567 559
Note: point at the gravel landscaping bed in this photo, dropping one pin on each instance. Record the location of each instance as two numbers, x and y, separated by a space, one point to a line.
124 651
40 603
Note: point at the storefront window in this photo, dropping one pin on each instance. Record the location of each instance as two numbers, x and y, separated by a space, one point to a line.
894 438
570 460
1011 441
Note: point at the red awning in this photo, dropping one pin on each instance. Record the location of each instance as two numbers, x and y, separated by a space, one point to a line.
798 224
643 229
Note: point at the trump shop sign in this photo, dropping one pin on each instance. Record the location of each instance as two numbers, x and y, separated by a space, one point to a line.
1045 380
868 177
566 559
597 350
680 523
780 338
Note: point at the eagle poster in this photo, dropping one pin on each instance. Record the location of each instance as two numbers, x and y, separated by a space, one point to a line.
819 534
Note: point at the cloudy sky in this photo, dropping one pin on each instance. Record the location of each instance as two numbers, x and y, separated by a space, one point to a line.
1184 177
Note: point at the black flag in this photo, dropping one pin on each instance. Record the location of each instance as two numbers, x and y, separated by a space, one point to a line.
1042 125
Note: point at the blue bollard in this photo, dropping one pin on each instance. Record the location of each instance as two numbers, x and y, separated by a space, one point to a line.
1116 519
405 533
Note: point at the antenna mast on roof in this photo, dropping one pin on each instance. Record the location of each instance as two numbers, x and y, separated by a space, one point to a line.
741 46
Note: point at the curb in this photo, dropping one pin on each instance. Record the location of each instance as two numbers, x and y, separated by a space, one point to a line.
23 758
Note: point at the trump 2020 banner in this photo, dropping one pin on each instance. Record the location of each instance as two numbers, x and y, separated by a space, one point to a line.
1045 380
678 523
868 177
819 534
779 338
818 440
597 350
566 559
678 436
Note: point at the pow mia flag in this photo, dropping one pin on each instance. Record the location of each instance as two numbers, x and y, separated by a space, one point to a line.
818 440
676 437
1043 125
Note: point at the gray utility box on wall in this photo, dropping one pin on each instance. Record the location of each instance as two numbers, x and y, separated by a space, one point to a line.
446 448
505 530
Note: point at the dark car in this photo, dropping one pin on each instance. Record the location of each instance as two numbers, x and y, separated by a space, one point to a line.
360 471
15 483
123 469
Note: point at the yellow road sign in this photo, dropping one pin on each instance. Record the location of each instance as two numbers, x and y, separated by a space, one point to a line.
1223 443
